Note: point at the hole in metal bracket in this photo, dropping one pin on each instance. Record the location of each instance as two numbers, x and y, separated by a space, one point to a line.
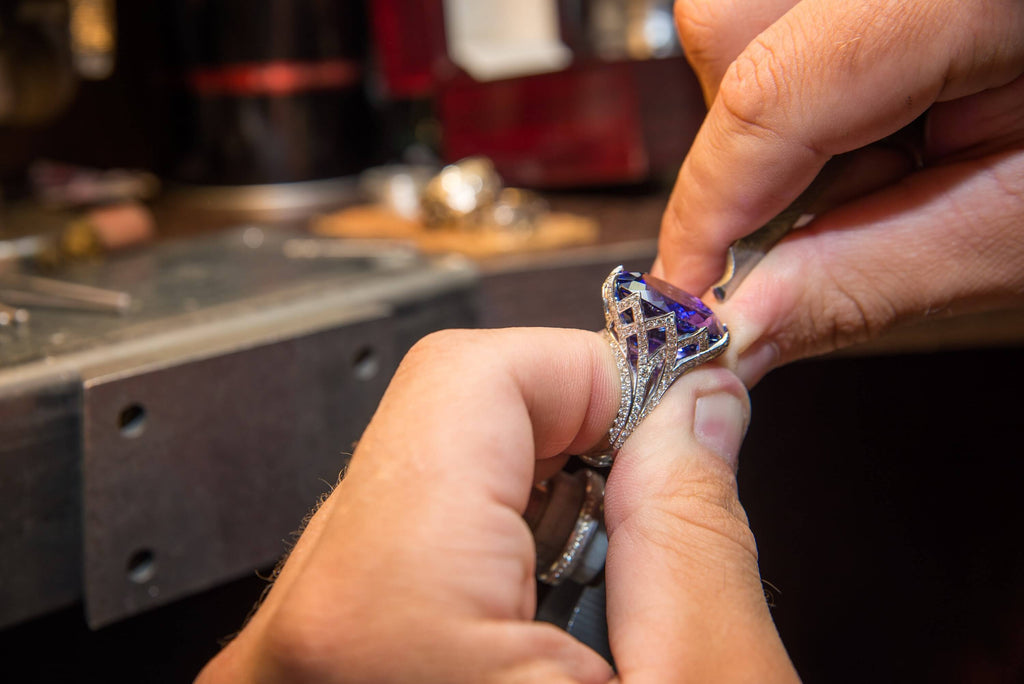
365 364
142 566
132 420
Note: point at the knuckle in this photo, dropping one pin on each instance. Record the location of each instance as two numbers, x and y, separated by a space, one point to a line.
697 24
692 525
711 503
440 341
770 90
697 506
442 346
851 318
855 310
755 85
478 357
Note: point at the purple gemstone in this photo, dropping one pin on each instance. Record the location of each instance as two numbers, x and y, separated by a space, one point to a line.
658 298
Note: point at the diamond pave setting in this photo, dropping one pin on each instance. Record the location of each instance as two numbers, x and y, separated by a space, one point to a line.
657 332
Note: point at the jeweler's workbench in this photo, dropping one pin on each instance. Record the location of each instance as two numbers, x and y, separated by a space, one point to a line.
150 455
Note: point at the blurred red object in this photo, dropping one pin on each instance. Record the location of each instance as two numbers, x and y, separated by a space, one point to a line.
594 123
408 37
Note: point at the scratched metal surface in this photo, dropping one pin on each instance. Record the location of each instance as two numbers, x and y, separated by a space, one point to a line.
178 283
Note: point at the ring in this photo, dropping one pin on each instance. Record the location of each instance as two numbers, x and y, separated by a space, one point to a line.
657 332
586 530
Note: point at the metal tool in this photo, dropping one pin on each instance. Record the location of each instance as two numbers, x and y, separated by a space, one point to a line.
26 290
745 253
12 315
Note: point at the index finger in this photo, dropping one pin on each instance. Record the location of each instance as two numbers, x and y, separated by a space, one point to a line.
466 419
428 520
486 404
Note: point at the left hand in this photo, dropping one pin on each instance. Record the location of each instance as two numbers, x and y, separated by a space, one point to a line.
419 567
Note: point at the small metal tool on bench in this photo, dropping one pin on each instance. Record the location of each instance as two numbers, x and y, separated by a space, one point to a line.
12 315
22 290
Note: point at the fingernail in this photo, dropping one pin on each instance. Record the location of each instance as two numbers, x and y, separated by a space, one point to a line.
719 424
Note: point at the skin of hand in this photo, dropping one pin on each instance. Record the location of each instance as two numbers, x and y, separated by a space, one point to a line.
420 568
790 84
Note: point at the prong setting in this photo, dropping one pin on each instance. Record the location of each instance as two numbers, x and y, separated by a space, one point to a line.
647 368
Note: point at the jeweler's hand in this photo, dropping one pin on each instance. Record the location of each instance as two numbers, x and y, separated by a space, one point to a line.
420 568
685 600
791 83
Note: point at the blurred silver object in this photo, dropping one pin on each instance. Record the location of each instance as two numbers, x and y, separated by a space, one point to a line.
516 209
566 515
457 196
467 195
632 29
27 290
397 186
12 315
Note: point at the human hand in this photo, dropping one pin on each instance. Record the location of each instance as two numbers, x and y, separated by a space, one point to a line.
419 566
791 83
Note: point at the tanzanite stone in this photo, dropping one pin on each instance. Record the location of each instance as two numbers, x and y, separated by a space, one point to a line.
658 298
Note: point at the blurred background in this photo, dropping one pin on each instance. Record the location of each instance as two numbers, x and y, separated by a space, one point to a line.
222 223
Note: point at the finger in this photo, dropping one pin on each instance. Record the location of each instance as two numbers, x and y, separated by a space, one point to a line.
684 594
507 398
862 268
428 520
714 32
555 391
976 125
441 651
828 77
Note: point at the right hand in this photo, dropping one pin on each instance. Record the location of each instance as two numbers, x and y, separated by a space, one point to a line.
790 83
685 599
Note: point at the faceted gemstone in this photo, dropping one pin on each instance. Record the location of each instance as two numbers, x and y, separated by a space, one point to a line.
658 298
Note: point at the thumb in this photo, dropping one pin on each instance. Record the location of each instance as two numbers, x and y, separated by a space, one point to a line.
685 601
